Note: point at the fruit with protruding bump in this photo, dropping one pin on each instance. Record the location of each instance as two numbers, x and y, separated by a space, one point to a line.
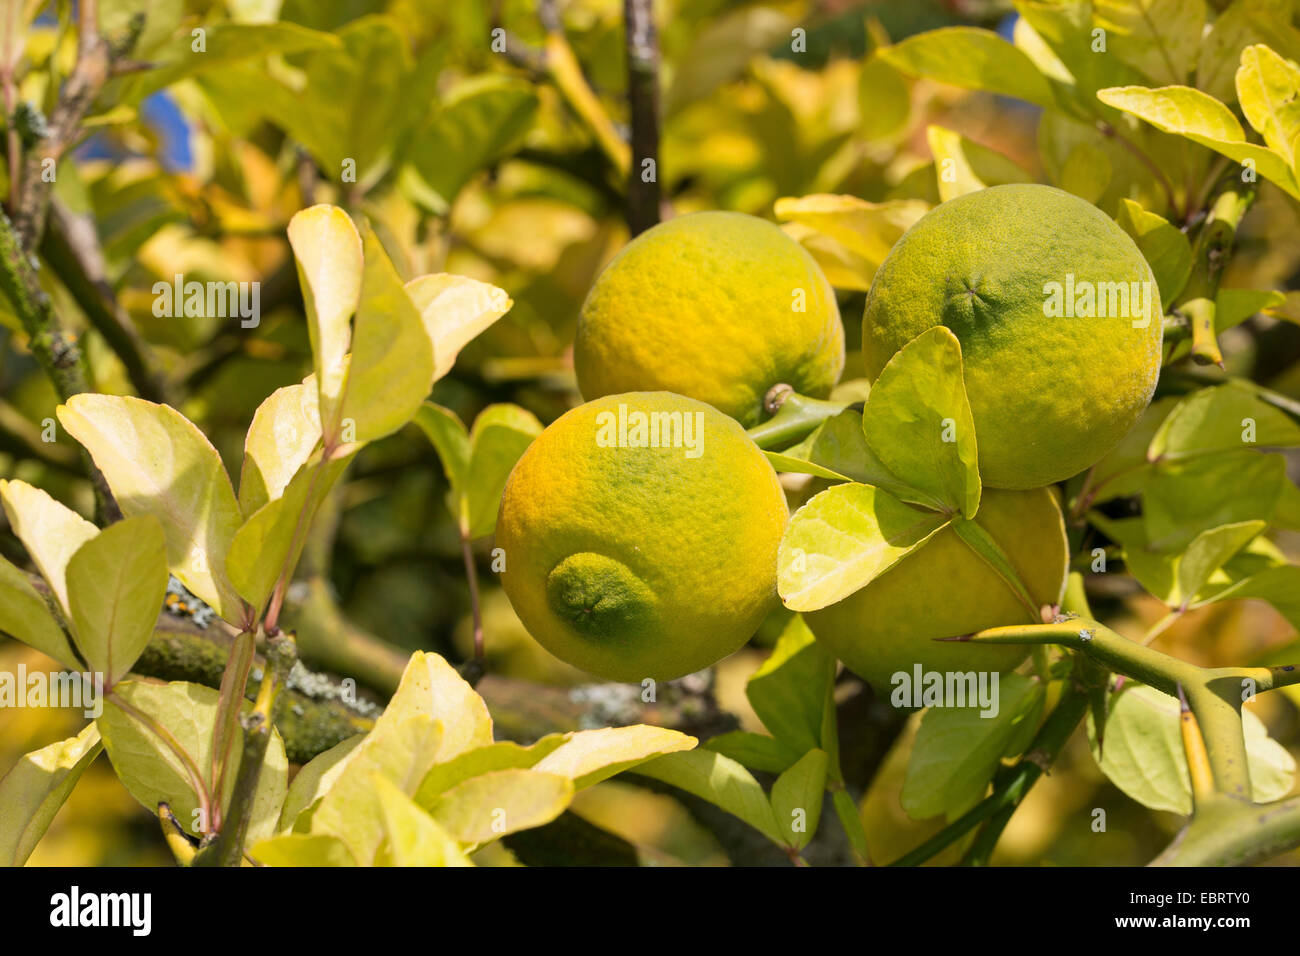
640 535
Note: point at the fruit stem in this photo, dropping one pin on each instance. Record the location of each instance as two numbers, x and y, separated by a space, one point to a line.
795 417
1213 247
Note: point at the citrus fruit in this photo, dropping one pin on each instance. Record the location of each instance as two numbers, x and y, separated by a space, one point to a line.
1058 316
944 589
640 535
717 306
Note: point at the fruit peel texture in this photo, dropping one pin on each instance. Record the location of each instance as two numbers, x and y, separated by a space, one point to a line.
1050 395
704 305
674 555
944 589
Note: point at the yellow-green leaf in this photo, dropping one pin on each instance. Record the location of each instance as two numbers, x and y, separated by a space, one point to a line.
116 584
284 432
1166 247
918 421
502 755
797 799
844 538
1158 37
402 750
1268 88
154 773
413 837
315 779
866 230
36 787
501 434
489 806
1202 119
963 166
721 781
327 248
431 686
25 615
158 463
1143 753
454 309
391 368
268 545
974 59
50 531
302 849
590 756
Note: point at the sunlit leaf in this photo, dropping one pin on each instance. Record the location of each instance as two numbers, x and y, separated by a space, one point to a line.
797 799
413 837
25 615
1158 37
284 432
302 849
314 779
454 310
1268 88
116 583
35 788
843 539
1144 756
1202 119
51 532
502 755
590 756
266 548
158 463
499 436
154 773
965 166
719 780
1165 246
391 368
1222 418
489 806
972 58
918 421
790 690
328 252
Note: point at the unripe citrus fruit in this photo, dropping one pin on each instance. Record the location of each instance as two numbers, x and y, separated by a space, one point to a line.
1058 315
718 306
640 535
944 589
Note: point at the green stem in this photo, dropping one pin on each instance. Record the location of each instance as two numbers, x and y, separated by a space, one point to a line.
1214 694
1213 248
795 418
1231 832
228 847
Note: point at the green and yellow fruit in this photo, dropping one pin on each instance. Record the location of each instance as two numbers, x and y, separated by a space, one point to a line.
640 534
1058 315
943 589
717 306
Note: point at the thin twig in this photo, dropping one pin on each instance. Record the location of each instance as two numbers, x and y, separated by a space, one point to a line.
56 352
72 249
643 191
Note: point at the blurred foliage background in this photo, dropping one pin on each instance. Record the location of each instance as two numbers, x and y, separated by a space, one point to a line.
471 160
